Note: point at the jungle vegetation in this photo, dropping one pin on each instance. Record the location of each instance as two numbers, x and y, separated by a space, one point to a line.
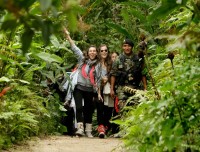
33 48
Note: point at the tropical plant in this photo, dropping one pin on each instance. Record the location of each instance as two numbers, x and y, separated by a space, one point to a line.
31 53
170 123
33 50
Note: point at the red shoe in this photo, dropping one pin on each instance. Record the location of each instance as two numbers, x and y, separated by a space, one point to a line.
101 130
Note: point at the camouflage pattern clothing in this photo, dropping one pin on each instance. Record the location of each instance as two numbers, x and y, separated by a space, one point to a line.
128 71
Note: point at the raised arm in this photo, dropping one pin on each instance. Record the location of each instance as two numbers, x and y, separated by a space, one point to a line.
68 37
74 48
144 81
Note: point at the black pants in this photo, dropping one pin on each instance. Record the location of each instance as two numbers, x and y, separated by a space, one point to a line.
115 127
68 121
84 113
104 114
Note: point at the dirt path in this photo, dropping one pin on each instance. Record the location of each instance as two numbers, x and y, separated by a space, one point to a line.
70 144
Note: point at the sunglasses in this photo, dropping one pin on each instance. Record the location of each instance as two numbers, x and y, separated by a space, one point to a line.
104 50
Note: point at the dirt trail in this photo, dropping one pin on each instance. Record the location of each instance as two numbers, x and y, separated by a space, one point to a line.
70 144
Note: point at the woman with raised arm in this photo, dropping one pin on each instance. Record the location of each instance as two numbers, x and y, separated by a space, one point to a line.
88 83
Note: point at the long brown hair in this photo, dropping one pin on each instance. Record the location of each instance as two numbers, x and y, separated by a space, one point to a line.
108 61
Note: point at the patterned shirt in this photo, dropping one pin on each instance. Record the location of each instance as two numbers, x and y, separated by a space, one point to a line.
128 70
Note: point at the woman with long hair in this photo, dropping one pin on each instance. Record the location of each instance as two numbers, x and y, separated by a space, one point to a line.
104 106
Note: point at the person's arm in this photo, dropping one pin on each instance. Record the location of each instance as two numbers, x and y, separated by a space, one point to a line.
74 48
98 77
112 85
113 72
144 73
68 37
99 95
144 81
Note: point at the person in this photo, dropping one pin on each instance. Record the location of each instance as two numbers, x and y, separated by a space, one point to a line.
88 83
114 127
105 106
56 89
114 56
69 104
127 70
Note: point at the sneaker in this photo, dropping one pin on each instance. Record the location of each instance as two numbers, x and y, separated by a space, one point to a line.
88 130
80 132
101 130
80 129
106 129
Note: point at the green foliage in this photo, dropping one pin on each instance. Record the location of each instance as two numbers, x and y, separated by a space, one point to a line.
25 113
19 115
32 49
45 16
30 108
172 122
49 58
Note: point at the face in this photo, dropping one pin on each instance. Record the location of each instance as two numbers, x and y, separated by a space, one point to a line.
103 52
92 53
114 56
127 49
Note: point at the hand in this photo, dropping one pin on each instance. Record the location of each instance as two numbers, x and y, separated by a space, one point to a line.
67 104
105 80
66 31
112 93
100 97
67 35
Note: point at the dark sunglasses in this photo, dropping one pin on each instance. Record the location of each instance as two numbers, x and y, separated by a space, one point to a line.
104 50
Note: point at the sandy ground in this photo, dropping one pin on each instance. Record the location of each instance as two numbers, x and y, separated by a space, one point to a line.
69 144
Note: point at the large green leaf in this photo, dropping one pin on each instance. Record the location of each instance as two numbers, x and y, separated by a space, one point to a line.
46 31
25 82
50 75
26 39
72 21
24 3
4 79
9 24
120 29
55 41
49 57
73 9
45 4
139 15
165 9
